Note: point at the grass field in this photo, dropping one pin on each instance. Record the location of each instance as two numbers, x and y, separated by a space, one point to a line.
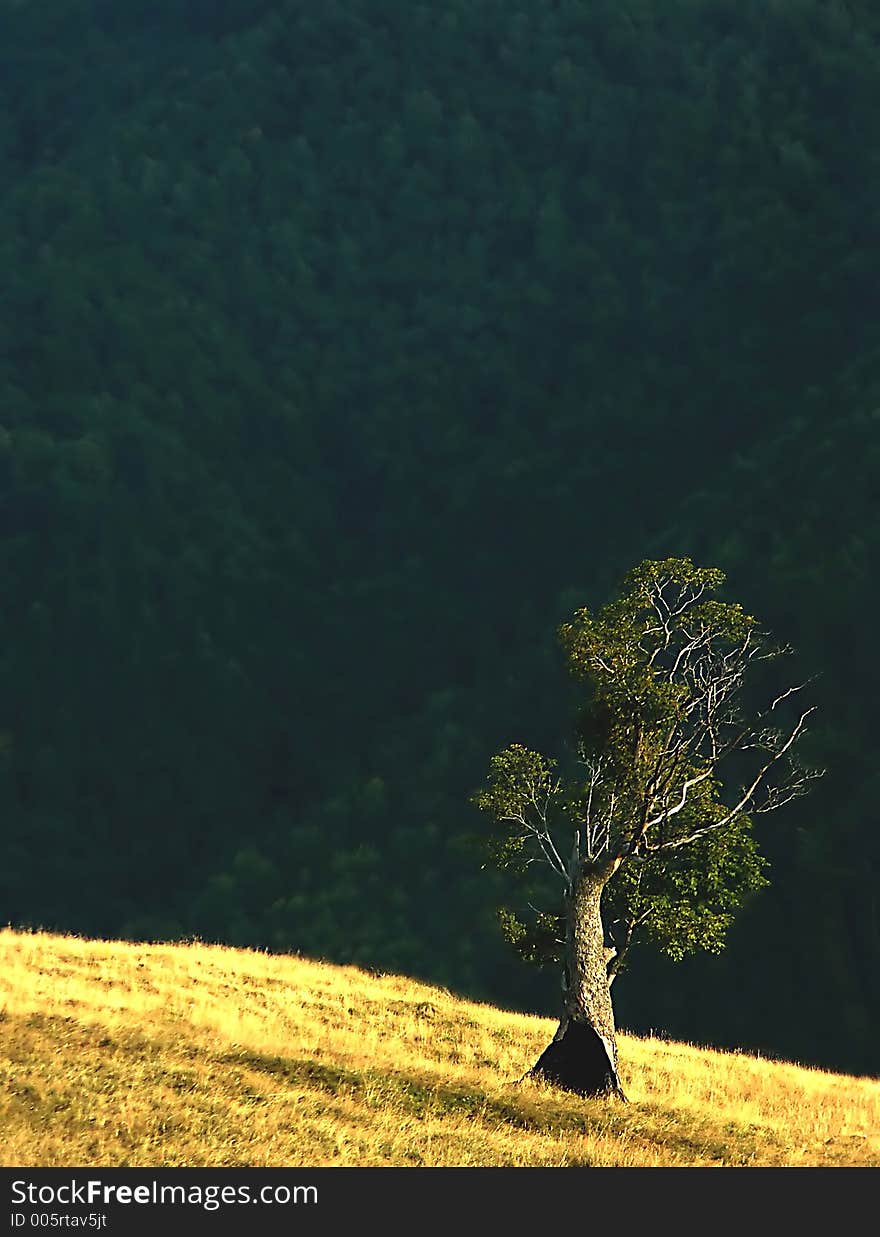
113 1053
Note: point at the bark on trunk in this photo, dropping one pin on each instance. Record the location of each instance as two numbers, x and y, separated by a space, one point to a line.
583 1055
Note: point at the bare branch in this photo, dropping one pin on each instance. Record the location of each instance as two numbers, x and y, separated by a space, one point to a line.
748 794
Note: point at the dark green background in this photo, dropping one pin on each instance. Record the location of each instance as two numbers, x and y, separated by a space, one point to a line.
345 349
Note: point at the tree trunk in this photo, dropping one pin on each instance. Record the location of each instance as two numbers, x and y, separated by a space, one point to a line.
583 1055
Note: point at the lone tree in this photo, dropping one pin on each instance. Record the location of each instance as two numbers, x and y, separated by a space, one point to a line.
642 833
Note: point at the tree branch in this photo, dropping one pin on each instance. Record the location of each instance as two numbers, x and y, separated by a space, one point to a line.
790 791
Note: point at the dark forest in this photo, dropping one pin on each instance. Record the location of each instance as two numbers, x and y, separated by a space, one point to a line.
345 350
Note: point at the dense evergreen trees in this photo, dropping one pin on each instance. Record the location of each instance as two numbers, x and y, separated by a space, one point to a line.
345 348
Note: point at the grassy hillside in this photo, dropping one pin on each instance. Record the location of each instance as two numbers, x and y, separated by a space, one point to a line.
130 1054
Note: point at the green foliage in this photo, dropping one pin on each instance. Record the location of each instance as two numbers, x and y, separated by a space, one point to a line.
342 345
518 780
691 895
681 875
541 941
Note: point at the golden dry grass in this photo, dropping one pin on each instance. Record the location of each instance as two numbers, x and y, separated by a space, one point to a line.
113 1053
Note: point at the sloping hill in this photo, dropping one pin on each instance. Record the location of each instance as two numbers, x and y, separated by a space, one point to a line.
345 349
116 1054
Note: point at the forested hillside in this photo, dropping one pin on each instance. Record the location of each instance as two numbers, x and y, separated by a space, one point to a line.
345 349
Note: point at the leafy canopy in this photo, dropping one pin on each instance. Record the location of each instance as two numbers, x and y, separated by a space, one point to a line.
666 774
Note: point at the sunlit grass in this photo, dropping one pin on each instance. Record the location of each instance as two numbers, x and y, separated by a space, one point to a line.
113 1053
